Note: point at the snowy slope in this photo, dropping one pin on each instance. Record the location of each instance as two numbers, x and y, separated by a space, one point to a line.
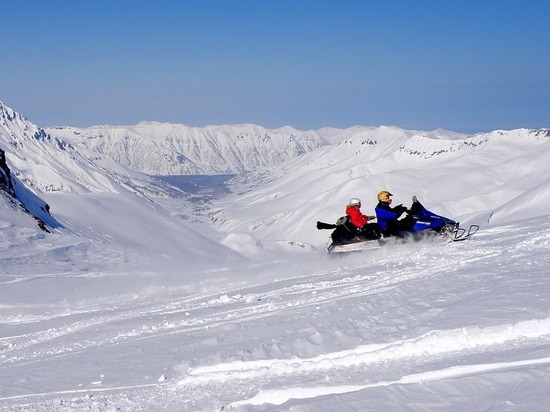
461 327
125 306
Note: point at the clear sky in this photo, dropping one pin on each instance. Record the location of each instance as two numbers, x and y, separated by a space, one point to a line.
467 66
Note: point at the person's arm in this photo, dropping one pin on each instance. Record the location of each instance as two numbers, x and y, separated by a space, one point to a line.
399 210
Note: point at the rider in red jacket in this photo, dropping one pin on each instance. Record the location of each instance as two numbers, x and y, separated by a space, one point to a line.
355 226
353 210
359 220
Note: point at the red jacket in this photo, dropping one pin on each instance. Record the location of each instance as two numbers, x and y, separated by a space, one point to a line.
357 218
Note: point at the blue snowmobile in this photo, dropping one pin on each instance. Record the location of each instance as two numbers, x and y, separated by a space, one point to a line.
420 223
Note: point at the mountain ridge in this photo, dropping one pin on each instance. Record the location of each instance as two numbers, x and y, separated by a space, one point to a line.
168 149
328 167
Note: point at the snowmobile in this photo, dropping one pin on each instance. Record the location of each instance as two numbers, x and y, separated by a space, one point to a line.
420 224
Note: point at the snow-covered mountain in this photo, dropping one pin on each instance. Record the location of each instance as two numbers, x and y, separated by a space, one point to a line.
133 303
323 167
175 149
18 200
49 164
46 170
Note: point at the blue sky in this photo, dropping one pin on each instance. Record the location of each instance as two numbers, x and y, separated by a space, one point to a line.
467 66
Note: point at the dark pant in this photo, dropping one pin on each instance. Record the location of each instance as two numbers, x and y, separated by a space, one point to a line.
343 233
370 231
346 232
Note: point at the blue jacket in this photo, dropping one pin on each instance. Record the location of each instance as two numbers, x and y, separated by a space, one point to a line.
387 215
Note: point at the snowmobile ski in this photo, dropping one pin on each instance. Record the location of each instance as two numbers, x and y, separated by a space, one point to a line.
460 234
357 246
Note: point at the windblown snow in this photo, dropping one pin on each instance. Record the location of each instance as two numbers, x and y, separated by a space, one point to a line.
148 296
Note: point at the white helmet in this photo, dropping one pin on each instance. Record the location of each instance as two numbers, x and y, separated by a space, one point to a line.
354 201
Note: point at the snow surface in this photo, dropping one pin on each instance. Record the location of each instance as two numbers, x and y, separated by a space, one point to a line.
147 299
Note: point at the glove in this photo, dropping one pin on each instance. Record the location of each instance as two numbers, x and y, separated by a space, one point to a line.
400 209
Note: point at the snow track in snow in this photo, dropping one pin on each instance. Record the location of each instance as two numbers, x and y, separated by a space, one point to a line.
346 367
280 396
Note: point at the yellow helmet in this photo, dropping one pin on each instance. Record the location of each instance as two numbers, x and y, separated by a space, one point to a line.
384 196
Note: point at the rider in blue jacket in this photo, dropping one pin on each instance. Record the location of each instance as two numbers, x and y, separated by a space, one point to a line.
388 216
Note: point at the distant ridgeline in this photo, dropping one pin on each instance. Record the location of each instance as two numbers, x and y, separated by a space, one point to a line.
175 149
7 189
